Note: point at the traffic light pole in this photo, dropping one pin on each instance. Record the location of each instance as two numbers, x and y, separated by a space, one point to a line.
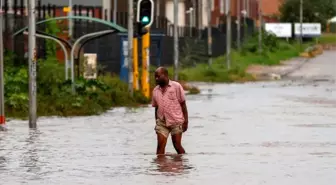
135 64
145 64
145 14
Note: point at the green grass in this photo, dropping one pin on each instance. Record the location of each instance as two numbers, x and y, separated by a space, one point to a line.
239 63
327 38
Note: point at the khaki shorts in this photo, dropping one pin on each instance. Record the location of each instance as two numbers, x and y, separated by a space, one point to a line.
161 128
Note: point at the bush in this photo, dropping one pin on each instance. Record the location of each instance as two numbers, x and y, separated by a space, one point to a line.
270 43
274 51
54 93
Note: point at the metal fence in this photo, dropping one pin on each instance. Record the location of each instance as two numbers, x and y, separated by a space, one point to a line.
192 41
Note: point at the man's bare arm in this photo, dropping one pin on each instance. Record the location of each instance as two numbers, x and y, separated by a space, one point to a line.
185 111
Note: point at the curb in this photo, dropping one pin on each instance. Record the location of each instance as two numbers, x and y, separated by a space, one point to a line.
285 74
319 51
278 76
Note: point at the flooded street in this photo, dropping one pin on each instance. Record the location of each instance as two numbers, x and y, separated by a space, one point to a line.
279 133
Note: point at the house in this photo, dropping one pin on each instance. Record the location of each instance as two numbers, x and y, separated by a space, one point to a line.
269 9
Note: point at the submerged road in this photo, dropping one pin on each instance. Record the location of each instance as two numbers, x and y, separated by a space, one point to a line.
275 133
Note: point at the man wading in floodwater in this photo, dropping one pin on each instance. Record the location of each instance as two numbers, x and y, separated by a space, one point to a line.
171 113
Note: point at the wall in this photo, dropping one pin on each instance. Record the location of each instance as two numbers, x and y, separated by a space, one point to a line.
181 13
270 7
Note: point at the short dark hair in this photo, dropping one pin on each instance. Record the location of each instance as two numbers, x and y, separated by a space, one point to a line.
165 71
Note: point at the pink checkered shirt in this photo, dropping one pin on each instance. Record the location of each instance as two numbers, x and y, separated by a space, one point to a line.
169 103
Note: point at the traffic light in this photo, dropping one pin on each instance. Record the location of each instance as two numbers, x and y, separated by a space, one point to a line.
145 15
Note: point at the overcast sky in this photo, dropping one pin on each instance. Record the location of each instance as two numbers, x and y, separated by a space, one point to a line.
78 2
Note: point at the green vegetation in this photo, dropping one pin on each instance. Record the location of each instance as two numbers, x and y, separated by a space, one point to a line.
313 11
274 51
328 38
52 29
54 93
182 80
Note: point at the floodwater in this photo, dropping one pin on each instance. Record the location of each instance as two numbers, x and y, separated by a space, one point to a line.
280 133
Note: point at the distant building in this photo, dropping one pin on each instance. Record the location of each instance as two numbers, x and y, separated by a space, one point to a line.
270 10
218 9
78 2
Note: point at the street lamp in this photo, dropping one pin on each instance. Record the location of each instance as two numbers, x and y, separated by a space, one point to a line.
244 13
190 11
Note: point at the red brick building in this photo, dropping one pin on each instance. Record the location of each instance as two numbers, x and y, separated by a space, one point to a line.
270 10
250 6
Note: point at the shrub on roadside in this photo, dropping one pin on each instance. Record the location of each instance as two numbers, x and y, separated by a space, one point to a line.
54 94
274 51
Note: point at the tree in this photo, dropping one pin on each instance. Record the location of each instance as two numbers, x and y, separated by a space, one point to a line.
313 11
52 29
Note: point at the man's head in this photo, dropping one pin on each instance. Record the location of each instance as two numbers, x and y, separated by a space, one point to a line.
161 76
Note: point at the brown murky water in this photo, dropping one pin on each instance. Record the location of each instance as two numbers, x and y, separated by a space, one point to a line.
264 133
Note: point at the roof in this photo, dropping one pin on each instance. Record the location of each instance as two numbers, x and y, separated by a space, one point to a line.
332 20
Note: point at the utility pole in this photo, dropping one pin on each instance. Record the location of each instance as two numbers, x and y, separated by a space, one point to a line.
32 63
199 17
301 22
191 24
228 33
130 46
260 26
157 10
115 7
245 15
238 24
2 91
194 13
209 33
191 21
176 46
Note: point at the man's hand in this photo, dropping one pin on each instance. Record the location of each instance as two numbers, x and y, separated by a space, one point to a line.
185 126
185 115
